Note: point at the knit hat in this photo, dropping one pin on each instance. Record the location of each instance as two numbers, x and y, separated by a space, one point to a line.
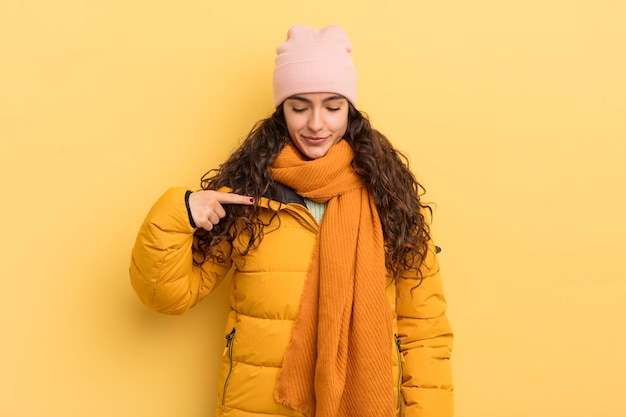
314 61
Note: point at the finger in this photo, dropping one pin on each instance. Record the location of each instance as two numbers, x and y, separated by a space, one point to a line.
231 198
208 226
213 218
219 211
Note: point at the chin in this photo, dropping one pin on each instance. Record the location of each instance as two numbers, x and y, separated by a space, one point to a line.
315 153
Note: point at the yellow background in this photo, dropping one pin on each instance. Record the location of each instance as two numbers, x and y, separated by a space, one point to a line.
513 114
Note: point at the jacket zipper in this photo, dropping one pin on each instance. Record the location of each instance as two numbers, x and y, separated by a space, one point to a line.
230 337
400 361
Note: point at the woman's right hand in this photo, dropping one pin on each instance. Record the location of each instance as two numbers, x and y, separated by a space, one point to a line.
207 209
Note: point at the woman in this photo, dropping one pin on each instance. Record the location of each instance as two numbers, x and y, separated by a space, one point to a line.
336 301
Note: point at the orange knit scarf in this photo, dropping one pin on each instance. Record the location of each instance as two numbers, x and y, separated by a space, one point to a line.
338 362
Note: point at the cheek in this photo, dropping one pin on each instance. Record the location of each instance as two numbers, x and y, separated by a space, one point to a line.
294 123
340 125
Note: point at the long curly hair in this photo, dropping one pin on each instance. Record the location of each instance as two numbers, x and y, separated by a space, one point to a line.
383 170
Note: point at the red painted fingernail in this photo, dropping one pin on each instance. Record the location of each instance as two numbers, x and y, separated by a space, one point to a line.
251 200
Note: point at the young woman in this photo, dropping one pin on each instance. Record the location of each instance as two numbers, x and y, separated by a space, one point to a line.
337 306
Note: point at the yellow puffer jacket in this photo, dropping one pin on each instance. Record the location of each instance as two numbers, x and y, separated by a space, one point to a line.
264 299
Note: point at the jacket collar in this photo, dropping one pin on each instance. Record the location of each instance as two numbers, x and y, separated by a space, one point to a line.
284 194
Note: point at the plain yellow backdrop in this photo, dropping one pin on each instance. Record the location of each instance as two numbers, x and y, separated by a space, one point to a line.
513 114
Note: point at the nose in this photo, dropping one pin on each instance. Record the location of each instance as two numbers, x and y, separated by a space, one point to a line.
316 121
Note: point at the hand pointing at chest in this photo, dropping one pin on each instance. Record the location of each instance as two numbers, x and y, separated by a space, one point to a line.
207 206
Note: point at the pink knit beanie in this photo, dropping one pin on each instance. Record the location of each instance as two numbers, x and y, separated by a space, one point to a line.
314 61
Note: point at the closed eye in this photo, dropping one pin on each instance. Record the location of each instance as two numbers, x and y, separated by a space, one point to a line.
297 110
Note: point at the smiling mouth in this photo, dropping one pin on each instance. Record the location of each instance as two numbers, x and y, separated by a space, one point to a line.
314 139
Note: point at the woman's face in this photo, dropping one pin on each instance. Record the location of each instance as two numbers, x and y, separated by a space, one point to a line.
316 121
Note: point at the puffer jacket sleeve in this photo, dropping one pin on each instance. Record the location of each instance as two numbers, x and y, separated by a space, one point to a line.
162 271
426 342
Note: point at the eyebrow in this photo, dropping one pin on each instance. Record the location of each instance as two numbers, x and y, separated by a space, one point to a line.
306 100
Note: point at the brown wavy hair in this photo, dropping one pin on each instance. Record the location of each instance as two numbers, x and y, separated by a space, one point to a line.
383 169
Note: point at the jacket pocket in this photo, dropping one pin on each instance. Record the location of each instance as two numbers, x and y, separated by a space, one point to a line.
230 338
400 403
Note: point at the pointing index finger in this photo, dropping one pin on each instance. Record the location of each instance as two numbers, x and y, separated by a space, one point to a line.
232 198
